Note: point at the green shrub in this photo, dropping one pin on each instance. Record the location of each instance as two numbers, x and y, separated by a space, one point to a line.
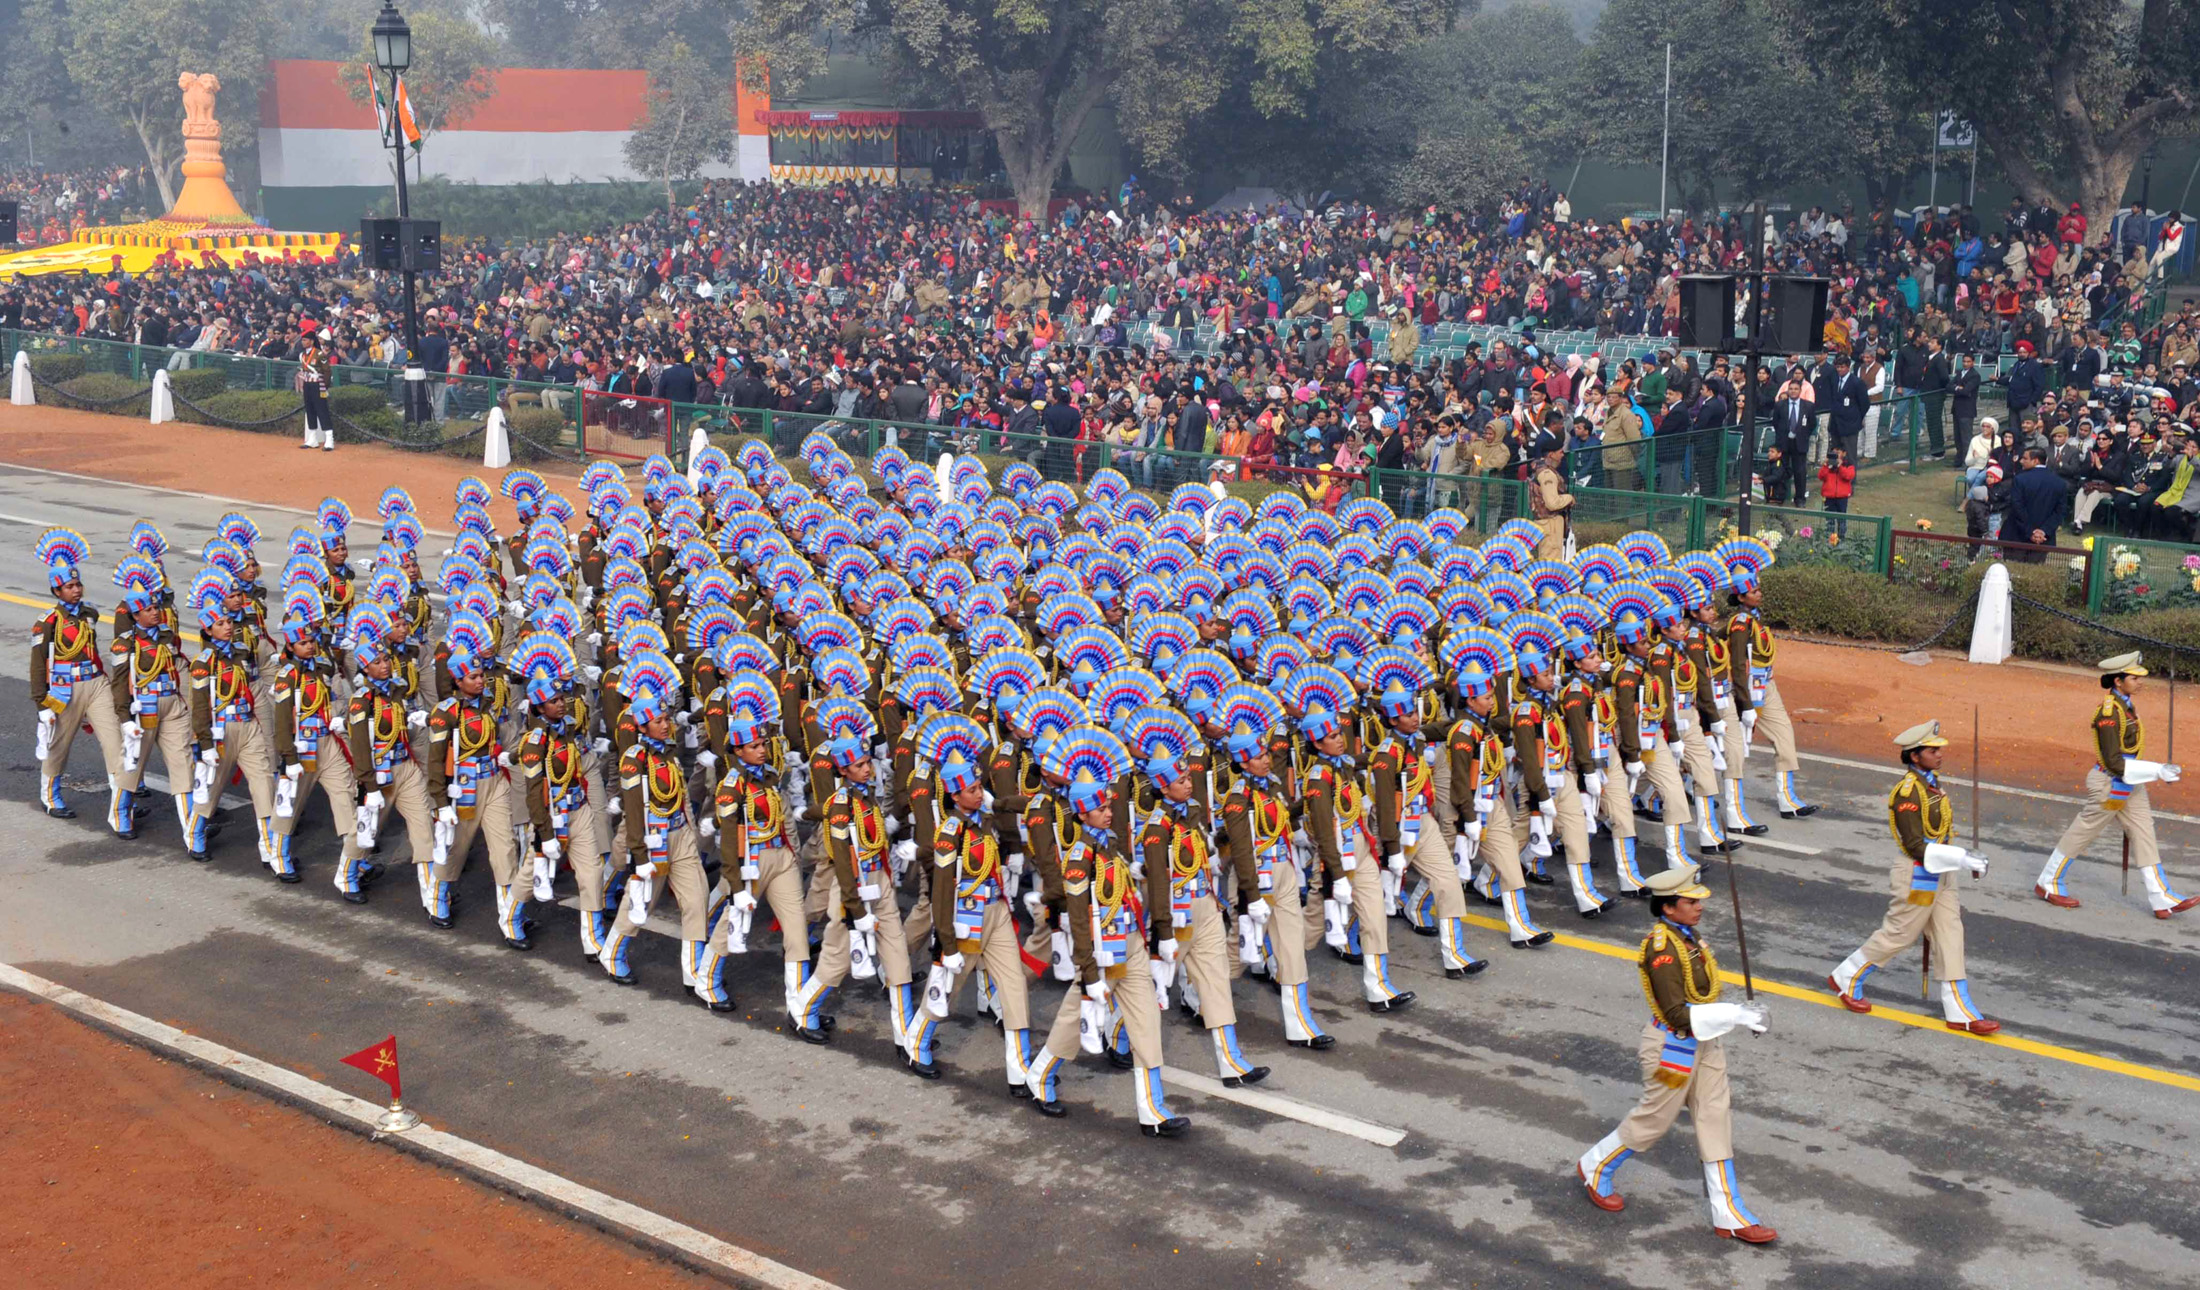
198 384
1834 600
56 369
544 425
106 392
353 400
261 411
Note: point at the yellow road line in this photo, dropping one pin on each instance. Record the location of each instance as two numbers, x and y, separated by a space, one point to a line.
1825 999
43 605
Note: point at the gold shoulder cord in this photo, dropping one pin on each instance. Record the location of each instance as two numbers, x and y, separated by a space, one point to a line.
1688 953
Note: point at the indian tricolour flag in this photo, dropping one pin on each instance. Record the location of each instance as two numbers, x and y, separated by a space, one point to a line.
405 119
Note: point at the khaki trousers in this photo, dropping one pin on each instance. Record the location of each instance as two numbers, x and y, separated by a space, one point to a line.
684 861
893 951
587 849
2137 819
1500 845
1695 755
90 700
494 805
996 952
332 772
1203 961
1614 806
407 796
1774 727
779 889
1942 920
1286 913
1366 881
1661 772
173 736
1704 1096
1130 997
245 748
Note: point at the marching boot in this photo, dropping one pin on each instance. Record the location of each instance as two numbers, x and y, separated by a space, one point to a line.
1792 806
1956 1007
1042 1078
1710 832
1599 1168
49 797
1382 996
2165 899
1230 1060
121 810
805 1000
614 958
1154 1119
1451 949
1847 981
1520 929
2050 887
1630 876
286 865
1729 1216
710 977
1738 818
1300 1030
1016 1050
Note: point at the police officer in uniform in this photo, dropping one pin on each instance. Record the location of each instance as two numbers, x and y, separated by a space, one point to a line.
1683 1060
1924 880
2116 789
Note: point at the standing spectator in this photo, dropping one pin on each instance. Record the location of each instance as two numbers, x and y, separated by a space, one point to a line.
1621 434
1850 399
1062 423
1934 388
435 357
1836 484
2036 500
2027 382
1791 431
1964 385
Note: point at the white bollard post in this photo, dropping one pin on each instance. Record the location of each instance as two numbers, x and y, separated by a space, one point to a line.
496 443
164 399
697 441
1993 631
19 388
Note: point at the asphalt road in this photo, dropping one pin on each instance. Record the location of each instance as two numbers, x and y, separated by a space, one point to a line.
1887 1154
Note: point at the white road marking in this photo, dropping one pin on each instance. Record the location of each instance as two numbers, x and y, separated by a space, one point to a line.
360 1115
2013 791
159 784
20 519
1382 1135
1793 848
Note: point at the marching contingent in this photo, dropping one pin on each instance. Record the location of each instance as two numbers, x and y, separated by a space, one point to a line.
953 736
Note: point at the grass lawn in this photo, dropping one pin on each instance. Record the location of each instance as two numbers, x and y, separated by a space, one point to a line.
1893 491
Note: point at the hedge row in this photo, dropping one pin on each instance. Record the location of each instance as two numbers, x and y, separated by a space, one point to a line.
1826 600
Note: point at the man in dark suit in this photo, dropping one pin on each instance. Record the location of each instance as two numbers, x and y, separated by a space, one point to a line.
1935 389
2036 501
676 382
1964 385
1791 430
1846 419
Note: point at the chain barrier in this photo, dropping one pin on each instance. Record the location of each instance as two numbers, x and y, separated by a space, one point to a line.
217 419
2094 624
78 400
1963 610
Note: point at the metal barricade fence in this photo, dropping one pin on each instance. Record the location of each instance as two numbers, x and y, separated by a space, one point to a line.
626 427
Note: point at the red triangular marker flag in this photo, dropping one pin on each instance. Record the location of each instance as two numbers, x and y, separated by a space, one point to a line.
380 1061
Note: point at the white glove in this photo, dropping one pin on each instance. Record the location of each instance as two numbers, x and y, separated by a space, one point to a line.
374 800
595 640
706 824
905 852
602 746
447 815
1548 809
953 962
293 771
1259 909
745 901
551 850
1396 860
1168 949
1711 1020
132 729
866 923
1097 992
2172 772
707 759
1942 858
1718 729
1592 787
416 719
1976 863
2145 772
211 757
504 760
1749 725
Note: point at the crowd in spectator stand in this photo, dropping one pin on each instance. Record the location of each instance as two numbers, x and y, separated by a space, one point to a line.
1299 344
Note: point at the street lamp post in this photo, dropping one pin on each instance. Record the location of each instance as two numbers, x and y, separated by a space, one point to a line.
392 55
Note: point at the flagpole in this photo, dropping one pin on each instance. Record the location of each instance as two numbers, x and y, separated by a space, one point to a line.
1665 140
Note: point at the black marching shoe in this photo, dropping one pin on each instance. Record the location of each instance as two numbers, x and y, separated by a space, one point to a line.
1604 908
1120 1061
1462 973
717 1005
1052 1110
1537 941
1319 1043
1539 879
62 812
623 978
442 922
1174 1127
1348 956
521 943
200 856
1253 1076
292 878
1639 893
1020 1092
807 1034
1799 812
924 1070
369 872
1402 999
1421 930
360 898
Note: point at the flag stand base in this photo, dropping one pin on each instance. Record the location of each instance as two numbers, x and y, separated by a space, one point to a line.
396 1120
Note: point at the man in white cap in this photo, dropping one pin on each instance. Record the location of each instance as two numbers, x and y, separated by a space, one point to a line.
1924 881
2116 788
1683 1061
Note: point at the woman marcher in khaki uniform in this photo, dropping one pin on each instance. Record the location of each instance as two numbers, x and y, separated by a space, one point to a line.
1683 1061
2116 789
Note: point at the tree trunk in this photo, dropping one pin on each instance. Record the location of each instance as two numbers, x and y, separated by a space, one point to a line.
157 154
1030 168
